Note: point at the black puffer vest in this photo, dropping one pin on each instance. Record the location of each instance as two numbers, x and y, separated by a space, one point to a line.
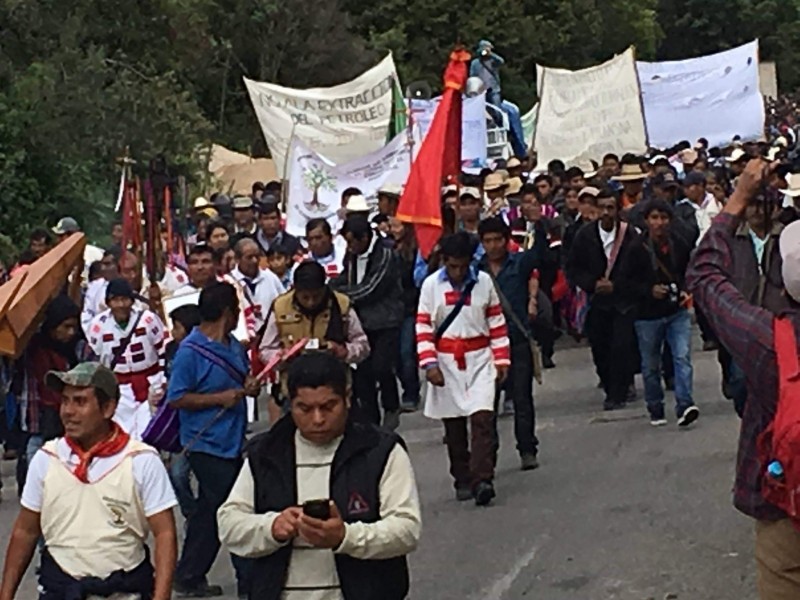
355 479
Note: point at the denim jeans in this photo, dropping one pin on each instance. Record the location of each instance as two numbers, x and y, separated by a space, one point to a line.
407 370
516 135
676 330
519 388
215 479
180 473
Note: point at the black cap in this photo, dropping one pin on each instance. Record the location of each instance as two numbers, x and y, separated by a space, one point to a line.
694 178
666 180
119 288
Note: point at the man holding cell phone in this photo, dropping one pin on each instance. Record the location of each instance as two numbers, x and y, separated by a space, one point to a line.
327 507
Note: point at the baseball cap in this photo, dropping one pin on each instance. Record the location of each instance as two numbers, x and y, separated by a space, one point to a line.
66 225
666 180
88 374
789 244
242 203
694 178
470 192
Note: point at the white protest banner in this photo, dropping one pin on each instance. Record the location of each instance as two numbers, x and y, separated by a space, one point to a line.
342 122
715 97
473 128
316 184
585 114
529 125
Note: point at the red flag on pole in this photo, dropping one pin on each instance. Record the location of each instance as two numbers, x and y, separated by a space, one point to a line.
439 157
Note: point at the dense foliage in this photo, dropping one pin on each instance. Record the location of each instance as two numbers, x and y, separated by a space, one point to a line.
83 79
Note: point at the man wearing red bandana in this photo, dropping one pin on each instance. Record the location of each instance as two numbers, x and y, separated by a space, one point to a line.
93 496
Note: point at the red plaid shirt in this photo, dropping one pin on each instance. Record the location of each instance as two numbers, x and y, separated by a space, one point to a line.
747 333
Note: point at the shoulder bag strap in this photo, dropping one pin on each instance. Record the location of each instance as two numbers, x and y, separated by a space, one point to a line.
657 263
218 360
440 331
507 307
620 237
117 353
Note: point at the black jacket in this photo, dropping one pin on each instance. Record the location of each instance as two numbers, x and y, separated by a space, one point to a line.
647 265
356 472
587 263
378 299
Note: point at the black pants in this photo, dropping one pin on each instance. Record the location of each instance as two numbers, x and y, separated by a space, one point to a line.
379 369
215 479
519 387
613 342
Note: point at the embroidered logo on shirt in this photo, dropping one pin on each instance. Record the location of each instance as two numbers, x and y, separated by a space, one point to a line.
118 509
357 505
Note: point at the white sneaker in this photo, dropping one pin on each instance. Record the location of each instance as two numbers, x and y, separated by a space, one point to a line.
689 416
658 422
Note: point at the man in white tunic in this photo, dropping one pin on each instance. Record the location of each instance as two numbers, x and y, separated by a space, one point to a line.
130 341
462 342
367 517
93 496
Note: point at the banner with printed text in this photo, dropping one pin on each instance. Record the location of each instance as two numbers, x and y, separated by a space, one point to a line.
585 114
716 97
473 123
343 122
316 183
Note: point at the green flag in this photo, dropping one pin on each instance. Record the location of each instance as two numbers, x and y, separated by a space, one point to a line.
399 120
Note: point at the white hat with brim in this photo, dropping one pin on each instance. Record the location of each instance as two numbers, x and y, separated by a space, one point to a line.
630 172
735 156
657 158
357 203
391 189
201 202
589 191
450 190
793 180
790 254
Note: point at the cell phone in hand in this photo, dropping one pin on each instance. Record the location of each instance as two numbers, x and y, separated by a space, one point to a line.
318 509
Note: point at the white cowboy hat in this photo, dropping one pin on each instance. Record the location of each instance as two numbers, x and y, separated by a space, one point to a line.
357 203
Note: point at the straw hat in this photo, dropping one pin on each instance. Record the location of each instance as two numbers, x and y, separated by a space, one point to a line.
470 192
514 186
513 163
391 189
494 181
630 172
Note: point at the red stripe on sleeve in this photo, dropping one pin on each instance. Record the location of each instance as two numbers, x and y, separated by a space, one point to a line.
425 336
498 332
494 311
423 318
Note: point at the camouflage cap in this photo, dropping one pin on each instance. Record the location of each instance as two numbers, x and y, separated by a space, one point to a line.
88 374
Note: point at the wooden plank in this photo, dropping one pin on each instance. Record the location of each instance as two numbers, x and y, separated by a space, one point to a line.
43 281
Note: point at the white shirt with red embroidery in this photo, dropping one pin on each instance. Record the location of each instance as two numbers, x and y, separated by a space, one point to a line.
146 347
479 331
259 294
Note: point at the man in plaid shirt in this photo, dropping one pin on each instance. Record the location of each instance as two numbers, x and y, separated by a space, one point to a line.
746 331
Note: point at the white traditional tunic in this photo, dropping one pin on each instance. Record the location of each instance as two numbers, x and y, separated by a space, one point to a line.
468 352
259 294
140 370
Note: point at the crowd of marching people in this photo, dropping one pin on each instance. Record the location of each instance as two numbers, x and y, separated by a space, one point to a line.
321 328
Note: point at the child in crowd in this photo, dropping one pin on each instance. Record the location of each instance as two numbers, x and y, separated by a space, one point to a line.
279 261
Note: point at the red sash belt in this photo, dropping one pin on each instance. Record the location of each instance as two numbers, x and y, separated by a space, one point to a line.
459 347
138 381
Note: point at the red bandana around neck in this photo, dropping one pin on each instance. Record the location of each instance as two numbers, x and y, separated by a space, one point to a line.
110 446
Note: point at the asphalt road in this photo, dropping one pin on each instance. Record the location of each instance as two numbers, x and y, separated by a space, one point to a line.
617 511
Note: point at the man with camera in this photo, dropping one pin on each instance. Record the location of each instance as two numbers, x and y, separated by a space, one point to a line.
765 347
326 507
655 266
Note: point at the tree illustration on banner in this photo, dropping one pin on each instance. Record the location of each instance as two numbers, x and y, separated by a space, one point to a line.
316 178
